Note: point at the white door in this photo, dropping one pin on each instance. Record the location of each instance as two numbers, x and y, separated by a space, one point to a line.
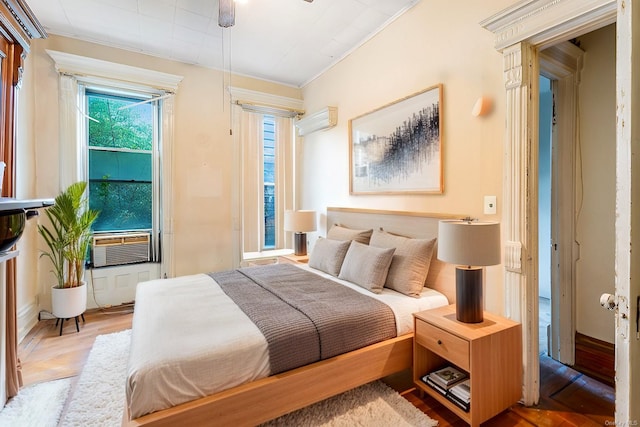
627 214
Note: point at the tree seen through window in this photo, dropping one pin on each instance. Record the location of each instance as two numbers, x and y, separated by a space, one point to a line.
120 140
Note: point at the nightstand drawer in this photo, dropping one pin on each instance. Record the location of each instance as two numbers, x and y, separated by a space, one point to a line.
443 343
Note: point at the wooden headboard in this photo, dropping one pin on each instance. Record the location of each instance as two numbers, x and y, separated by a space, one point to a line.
411 224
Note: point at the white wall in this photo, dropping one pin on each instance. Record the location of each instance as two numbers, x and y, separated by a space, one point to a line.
432 43
595 226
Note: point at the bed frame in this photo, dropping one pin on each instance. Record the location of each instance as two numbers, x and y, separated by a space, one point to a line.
268 398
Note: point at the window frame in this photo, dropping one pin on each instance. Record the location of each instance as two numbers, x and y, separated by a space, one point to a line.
74 68
251 170
153 97
277 226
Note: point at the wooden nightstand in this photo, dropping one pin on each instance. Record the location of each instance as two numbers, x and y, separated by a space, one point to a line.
489 352
293 259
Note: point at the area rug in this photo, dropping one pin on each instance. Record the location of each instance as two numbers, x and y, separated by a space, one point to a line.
99 395
372 404
37 405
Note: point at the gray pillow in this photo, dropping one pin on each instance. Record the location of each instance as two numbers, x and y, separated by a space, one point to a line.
410 263
338 232
366 266
327 255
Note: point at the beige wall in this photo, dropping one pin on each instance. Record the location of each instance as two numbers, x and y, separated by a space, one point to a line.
27 275
202 158
430 44
433 43
595 225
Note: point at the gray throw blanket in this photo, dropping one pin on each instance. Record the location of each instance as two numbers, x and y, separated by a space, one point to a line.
305 317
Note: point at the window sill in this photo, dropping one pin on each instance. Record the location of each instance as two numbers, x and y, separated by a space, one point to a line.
253 257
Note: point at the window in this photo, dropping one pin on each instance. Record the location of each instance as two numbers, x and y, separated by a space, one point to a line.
79 74
122 155
267 142
269 181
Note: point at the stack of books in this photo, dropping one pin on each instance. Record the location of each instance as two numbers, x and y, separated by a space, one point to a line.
460 394
451 383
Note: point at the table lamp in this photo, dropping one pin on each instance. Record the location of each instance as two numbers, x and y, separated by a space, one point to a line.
470 245
300 222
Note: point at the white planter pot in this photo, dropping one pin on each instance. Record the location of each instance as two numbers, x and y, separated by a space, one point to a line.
67 303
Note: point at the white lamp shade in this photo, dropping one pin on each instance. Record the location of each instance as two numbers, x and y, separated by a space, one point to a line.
470 243
300 221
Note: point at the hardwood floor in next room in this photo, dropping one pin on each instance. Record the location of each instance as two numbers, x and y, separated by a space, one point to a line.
568 398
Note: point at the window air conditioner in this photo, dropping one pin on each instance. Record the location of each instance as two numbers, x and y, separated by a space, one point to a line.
118 249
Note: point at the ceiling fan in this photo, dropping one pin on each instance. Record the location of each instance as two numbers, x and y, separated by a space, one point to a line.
227 13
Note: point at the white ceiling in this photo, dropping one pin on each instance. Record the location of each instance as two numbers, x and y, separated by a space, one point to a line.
286 41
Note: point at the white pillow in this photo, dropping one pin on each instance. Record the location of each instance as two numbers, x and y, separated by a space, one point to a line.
366 266
410 263
327 255
338 232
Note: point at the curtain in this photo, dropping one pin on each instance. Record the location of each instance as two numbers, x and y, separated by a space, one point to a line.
14 370
10 82
285 177
251 155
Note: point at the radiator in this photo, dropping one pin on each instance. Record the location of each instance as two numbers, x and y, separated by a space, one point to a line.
118 249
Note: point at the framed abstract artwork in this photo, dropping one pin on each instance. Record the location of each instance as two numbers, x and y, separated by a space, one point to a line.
397 148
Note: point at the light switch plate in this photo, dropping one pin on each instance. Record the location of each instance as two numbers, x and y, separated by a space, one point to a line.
490 205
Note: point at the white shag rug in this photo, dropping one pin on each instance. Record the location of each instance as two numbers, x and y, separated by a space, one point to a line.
99 396
372 404
37 405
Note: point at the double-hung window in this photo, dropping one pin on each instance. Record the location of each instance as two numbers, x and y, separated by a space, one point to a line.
122 151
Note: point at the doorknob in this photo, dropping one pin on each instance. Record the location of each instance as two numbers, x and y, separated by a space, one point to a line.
608 301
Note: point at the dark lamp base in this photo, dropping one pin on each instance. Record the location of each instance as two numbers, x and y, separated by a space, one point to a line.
469 307
300 244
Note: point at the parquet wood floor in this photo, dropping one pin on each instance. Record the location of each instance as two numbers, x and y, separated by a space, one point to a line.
568 398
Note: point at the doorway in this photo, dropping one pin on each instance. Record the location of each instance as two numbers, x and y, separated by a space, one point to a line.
544 213
545 22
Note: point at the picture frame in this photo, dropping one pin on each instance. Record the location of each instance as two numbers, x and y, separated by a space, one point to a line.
397 148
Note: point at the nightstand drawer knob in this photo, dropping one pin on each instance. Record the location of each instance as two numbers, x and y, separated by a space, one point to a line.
439 342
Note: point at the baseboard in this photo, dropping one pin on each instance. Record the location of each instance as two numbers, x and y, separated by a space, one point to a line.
27 319
595 358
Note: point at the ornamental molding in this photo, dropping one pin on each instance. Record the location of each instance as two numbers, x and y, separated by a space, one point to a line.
18 19
513 67
513 257
76 65
247 96
544 22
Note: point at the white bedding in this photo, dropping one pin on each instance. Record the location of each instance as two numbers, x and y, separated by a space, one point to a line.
190 340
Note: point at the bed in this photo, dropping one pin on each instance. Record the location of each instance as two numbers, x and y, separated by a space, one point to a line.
253 393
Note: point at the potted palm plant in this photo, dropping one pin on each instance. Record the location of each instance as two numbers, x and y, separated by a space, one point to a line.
68 237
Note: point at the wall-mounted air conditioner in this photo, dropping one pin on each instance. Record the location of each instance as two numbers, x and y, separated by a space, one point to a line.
120 248
323 119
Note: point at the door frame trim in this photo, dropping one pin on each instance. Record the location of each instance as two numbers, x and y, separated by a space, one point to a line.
521 30
562 64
